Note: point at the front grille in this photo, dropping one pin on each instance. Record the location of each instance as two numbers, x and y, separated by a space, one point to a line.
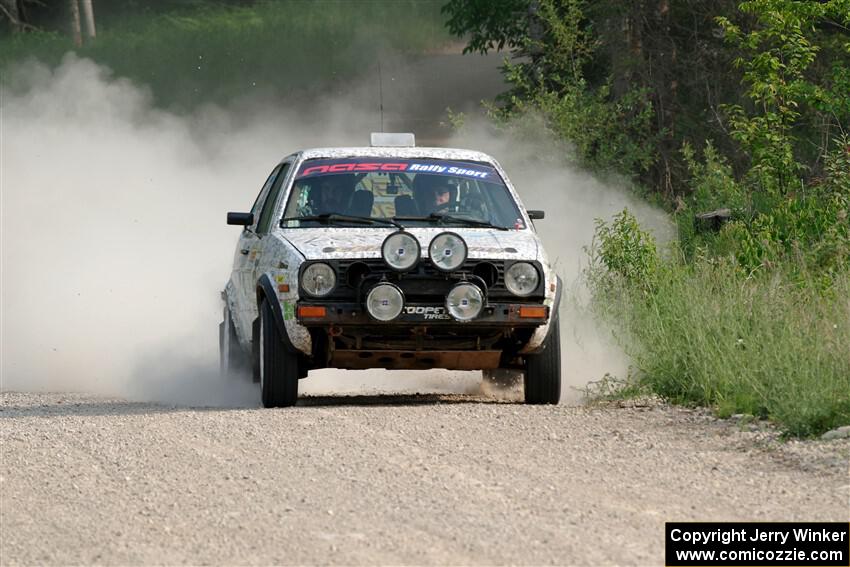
425 283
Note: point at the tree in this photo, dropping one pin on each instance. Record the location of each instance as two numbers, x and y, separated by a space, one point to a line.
88 13
629 82
75 23
15 13
776 57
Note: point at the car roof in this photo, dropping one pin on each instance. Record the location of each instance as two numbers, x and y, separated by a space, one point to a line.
395 152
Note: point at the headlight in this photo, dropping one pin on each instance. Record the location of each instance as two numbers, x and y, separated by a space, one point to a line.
465 301
318 280
447 251
384 302
400 251
521 279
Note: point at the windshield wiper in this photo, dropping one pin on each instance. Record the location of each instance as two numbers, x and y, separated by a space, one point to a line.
330 218
442 219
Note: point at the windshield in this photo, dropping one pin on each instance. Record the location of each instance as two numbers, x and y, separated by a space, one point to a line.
413 192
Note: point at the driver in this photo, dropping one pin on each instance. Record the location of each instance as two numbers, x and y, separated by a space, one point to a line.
433 194
442 194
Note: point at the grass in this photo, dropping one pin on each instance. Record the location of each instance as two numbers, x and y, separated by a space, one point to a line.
772 345
216 53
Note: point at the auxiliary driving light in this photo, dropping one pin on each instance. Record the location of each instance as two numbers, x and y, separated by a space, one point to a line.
384 302
447 251
400 251
318 279
521 279
465 301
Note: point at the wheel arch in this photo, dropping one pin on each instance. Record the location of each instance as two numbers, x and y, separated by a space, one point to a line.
266 290
553 316
556 306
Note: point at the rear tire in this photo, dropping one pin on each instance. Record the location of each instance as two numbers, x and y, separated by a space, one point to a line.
255 351
232 359
278 365
543 370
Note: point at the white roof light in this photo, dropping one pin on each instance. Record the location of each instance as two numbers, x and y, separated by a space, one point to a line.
395 140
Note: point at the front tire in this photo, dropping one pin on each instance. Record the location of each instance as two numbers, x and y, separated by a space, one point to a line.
278 367
543 370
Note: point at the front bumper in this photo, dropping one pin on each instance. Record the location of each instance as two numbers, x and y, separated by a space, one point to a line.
423 336
323 314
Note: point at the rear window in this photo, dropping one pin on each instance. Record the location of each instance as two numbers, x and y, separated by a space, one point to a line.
407 190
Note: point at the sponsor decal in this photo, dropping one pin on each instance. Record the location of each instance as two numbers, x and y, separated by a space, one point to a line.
351 167
319 167
427 312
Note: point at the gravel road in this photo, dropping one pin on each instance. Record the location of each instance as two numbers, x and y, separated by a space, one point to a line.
428 479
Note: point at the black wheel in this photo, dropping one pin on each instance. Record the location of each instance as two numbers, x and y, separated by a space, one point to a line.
232 358
543 370
501 377
278 366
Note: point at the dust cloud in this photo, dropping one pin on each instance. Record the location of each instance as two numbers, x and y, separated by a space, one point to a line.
114 246
540 168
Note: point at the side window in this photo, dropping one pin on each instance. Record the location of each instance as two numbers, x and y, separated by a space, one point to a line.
268 207
255 208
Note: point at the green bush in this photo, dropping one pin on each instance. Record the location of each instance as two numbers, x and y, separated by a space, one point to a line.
769 343
608 135
627 253
807 230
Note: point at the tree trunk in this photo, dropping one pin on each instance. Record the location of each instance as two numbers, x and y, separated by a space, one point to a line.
75 23
88 18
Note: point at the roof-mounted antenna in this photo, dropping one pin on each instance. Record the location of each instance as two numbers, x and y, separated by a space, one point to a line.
381 94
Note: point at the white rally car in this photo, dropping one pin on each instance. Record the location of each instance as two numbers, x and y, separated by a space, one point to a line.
390 256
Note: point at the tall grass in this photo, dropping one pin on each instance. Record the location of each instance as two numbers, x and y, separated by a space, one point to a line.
768 344
214 53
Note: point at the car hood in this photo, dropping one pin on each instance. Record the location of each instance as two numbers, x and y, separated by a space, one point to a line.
344 243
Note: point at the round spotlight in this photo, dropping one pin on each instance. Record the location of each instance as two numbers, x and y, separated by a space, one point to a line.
400 251
521 279
384 302
465 301
447 251
318 279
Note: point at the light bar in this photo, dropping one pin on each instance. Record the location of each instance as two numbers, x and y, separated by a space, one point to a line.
393 140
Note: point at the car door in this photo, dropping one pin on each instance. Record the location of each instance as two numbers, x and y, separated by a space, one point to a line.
246 255
268 217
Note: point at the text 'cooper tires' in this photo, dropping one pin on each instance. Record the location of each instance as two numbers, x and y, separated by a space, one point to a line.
278 367
543 370
232 359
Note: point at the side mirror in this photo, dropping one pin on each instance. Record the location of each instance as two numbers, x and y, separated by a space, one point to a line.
240 219
536 215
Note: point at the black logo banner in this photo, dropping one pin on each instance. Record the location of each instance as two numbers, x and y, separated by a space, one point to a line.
755 543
